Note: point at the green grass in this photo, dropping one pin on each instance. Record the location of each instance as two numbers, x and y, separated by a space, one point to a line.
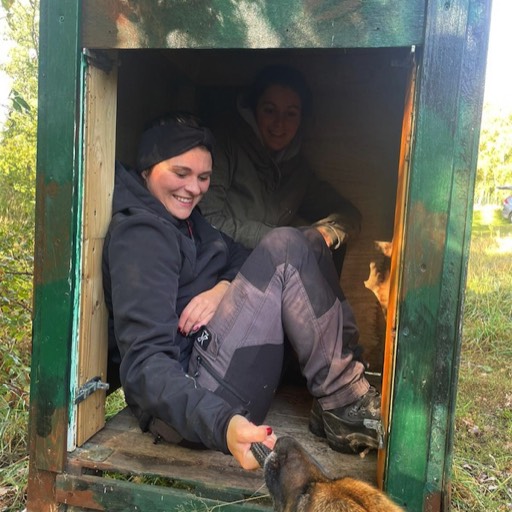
15 327
482 469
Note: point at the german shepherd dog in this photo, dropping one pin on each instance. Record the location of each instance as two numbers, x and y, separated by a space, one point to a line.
297 483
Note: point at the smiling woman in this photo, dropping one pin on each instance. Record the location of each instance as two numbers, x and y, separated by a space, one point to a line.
278 116
180 182
397 89
200 354
175 161
262 177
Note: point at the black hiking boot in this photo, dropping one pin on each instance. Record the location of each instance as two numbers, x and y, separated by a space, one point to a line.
350 429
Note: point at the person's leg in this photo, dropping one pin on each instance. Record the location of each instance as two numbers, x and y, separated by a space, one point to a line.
319 327
326 264
356 426
326 260
280 285
338 258
244 358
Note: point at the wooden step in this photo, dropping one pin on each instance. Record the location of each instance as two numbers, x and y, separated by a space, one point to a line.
121 450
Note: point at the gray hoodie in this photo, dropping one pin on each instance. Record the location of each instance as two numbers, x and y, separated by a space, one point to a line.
252 191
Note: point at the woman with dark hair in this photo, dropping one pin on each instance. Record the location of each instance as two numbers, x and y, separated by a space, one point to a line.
262 179
196 322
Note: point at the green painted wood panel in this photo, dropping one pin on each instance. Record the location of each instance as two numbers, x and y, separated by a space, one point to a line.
250 24
56 224
95 493
448 108
443 166
458 239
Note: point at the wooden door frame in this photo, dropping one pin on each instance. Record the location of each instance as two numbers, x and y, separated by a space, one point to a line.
448 106
439 203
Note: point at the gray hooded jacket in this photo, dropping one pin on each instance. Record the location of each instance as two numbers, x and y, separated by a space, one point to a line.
252 191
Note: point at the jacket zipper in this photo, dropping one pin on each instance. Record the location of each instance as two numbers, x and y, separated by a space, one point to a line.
215 375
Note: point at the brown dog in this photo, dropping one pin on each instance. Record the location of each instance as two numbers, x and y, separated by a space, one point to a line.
297 483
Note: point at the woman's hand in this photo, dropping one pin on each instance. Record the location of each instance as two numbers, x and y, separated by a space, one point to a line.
333 234
200 310
241 433
327 234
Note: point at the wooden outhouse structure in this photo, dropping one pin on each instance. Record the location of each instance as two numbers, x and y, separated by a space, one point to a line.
398 89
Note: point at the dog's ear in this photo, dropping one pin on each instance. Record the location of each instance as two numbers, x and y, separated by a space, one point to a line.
290 473
304 467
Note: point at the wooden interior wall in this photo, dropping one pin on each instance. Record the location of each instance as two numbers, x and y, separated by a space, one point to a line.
354 143
99 152
352 138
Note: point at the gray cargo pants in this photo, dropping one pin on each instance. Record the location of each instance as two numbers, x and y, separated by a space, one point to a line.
283 287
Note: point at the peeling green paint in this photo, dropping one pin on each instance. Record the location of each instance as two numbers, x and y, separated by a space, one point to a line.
249 24
443 166
452 38
118 496
56 225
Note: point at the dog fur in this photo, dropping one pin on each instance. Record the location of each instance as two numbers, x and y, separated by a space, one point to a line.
297 483
379 279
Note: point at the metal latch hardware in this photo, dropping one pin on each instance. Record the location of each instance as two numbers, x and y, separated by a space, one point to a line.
89 388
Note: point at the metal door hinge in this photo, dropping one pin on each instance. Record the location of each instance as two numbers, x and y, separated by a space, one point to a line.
89 388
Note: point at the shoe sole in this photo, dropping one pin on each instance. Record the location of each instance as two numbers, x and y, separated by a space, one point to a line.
355 442
347 438
347 441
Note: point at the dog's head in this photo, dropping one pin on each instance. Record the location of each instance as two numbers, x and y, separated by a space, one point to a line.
289 474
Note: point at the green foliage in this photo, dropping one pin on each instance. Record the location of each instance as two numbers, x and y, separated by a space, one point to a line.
17 175
7 4
15 332
19 134
16 262
17 190
494 157
114 403
18 103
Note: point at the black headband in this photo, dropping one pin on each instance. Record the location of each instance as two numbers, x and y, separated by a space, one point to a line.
173 138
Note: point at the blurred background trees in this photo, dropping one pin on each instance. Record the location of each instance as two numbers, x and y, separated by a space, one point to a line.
495 156
18 128
17 169
18 136
17 189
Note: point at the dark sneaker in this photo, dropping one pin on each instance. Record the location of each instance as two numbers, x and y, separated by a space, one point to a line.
352 428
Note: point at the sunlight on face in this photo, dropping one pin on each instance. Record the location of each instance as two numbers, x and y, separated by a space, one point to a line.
180 182
278 116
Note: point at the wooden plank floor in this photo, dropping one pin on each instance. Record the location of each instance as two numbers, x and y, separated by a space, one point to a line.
122 448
